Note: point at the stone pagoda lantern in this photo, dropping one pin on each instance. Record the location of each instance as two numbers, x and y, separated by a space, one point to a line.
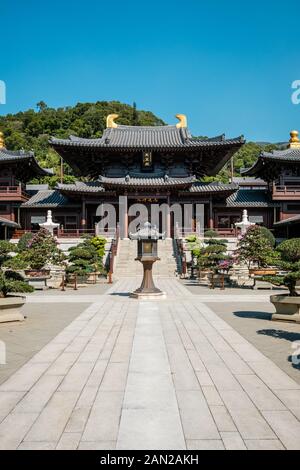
245 223
49 224
147 238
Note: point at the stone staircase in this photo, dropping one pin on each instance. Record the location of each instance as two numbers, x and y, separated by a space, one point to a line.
126 266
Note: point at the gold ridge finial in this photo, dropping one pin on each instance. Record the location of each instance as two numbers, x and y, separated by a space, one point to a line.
110 120
294 140
182 120
1 140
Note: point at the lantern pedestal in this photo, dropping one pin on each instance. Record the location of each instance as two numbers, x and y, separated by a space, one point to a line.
147 254
147 290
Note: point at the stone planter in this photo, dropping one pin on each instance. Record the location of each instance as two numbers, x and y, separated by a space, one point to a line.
263 272
9 309
37 272
287 308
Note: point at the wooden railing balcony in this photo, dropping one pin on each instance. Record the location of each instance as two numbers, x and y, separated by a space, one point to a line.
286 192
73 233
69 233
221 232
13 193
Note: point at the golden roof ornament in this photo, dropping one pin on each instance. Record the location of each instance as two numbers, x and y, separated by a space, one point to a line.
182 120
1 140
294 140
110 120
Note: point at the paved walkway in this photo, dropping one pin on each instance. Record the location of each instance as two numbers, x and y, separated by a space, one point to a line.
167 374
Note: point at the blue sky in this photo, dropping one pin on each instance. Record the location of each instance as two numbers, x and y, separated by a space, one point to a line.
228 65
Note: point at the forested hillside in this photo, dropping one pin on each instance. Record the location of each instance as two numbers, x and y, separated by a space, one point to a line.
31 130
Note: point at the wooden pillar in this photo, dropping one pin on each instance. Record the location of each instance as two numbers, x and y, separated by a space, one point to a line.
83 214
123 216
168 221
12 214
211 218
280 212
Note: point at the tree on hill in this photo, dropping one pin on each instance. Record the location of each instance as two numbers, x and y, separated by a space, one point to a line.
246 156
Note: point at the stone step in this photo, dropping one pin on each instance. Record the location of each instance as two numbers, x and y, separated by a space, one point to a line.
126 266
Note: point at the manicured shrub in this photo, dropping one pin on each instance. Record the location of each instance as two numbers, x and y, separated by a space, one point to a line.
41 250
256 247
210 233
87 256
24 241
10 281
289 260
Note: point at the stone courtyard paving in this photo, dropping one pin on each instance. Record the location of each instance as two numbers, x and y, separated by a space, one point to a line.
168 374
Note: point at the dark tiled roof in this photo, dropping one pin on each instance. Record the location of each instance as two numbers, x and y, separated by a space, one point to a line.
37 187
47 198
290 155
249 181
82 187
145 137
200 187
166 181
8 223
11 156
291 220
250 198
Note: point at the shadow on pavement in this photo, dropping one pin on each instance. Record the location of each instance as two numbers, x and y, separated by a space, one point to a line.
121 294
288 336
281 334
252 314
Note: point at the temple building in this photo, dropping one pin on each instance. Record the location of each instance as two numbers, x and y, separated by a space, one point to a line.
158 164
280 169
16 168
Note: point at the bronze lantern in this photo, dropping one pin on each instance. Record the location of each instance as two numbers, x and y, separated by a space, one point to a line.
147 238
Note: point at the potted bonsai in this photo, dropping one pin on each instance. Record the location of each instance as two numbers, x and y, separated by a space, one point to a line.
213 252
86 258
10 282
209 255
40 251
256 249
194 246
287 305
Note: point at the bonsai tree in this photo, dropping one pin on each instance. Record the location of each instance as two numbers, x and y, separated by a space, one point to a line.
226 264
213 252
18 262
10 281
87 256
289 260
256 247
24 241
194 245
99 243
210 233
39 251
